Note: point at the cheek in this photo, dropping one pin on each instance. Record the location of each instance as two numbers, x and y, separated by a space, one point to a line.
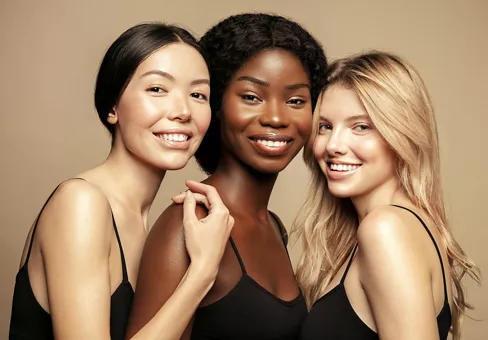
236 116
139 110
373 149
303 122
201 116
319 147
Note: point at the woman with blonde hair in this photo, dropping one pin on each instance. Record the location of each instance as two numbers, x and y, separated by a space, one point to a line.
379 259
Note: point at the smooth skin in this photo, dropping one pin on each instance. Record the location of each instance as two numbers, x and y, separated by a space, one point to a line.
269 94
395 282
75 264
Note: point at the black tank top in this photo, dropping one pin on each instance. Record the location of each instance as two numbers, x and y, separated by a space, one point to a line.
332 316
249 311
30 321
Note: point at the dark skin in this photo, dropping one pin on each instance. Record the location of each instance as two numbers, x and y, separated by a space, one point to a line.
267 99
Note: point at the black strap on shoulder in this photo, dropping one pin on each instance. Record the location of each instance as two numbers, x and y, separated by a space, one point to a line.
281 228
433 241
39 215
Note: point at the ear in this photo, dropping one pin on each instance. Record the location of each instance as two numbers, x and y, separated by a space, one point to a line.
112 117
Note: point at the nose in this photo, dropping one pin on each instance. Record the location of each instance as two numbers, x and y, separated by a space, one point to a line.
337 143
274 116
180 108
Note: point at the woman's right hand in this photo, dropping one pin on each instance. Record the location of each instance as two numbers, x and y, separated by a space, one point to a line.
205 238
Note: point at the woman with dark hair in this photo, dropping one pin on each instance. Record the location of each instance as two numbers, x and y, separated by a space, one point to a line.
266 75
81 257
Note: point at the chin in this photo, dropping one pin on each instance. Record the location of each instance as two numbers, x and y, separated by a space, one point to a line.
171 163
269 167
340 191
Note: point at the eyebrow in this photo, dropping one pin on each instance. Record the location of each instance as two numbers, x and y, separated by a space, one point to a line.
172 78
266 84
350 119
357 117
253 80
297 86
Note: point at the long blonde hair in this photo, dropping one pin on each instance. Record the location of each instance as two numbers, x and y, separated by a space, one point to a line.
399 106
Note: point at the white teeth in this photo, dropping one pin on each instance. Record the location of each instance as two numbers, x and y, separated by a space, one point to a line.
272 144
343 167
174 137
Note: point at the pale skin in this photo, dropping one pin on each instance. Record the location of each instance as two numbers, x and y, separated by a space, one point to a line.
395 282
75 264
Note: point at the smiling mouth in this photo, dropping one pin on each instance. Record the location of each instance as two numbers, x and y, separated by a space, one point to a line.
342 167
173 137
271 145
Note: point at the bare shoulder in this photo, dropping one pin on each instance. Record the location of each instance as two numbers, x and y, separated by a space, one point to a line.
395 274
388 236
171 220
79 210
166 237
386 226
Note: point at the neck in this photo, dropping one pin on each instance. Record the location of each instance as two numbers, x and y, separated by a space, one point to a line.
243 189
385 194
132 182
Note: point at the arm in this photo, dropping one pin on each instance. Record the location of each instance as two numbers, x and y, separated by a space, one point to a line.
165 281
170 285
396 277
75 238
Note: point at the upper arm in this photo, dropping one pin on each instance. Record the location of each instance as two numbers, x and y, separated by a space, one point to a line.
75 236
395 277
163 264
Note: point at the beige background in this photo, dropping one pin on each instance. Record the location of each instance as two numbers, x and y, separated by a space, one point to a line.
49 130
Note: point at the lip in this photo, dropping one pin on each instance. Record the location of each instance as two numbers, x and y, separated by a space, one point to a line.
271 150
175 145
335 161
187 132
272 137
338 175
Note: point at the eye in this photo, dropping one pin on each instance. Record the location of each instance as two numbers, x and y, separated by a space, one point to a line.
250 98
361 127
324 127
296 101
156 89
199 96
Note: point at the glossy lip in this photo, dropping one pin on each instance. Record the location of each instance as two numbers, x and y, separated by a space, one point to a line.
271 151
338 175
174 144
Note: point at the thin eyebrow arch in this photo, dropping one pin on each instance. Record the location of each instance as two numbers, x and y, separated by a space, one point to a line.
172 78
158 73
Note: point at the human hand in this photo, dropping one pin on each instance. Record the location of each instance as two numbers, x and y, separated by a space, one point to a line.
205 238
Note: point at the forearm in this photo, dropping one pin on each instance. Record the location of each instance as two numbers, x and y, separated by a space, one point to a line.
171 320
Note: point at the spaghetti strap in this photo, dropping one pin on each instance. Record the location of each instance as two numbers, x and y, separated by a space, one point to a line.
349 264
281 229
435 245
125 277
39 215
243 268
